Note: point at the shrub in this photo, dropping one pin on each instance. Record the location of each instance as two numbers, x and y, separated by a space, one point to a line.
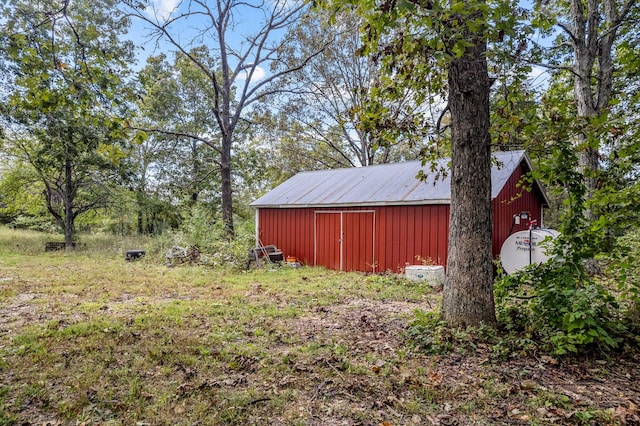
200 228
564 309
35 223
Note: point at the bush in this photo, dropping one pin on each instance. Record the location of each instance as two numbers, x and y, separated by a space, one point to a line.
201 229
40 224
622 273
558 304
561 307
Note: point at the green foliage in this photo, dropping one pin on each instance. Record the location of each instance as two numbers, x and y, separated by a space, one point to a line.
414 43
203 229
564 312
66 98
625 262
21 193
176 104
616 200
559 303
339 125
35 223
199 228
622 273
428 333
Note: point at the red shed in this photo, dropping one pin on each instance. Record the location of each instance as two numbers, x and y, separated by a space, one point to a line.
382 218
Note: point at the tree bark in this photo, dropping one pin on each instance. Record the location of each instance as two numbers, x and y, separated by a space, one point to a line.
593 49
195 172
468 289
585 46
226 189
68 205
140 211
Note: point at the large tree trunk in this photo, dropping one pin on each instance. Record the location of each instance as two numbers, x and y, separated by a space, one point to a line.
468 290
585 46
593 50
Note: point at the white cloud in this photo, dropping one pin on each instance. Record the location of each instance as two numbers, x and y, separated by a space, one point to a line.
258 74
161 9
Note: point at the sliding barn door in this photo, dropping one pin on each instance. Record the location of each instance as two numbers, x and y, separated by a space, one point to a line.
344 240
328 239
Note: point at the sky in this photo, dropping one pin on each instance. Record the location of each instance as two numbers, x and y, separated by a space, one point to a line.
161 10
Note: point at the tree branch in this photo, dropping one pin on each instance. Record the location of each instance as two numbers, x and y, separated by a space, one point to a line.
178 134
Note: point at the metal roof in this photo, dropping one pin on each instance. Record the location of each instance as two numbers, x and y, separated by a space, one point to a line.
384 184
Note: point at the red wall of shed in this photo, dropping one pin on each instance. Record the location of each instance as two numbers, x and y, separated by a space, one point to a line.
510 201
403 234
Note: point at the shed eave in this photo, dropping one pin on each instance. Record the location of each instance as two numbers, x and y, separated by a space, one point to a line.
365 204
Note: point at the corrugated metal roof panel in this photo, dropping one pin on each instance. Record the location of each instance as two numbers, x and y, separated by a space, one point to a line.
385 184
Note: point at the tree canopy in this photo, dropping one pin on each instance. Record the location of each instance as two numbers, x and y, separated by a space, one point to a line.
66 100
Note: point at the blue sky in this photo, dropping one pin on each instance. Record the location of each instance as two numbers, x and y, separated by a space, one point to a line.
160 11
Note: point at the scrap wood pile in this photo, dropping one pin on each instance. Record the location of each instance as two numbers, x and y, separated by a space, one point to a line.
177 255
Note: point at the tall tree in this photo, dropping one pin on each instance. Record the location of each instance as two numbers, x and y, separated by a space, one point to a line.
173 161
417 43
331 99
468 292
64 101
244 40
588 34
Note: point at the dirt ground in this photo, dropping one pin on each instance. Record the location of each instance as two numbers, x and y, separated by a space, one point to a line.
459 388
611 385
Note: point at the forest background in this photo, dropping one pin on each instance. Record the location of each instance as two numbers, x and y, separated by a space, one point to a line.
235 97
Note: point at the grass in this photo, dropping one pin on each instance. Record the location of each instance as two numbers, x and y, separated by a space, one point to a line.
86 338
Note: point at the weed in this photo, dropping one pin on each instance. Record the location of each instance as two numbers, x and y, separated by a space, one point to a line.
428 333
87 337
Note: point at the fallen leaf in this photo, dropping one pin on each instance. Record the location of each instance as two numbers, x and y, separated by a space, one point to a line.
435 377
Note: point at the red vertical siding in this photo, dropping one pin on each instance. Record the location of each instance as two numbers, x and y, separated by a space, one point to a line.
512 200
401 235
327 238
292 230
409 234
357 241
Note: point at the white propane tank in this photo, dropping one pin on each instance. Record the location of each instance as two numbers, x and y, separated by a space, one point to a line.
526 247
